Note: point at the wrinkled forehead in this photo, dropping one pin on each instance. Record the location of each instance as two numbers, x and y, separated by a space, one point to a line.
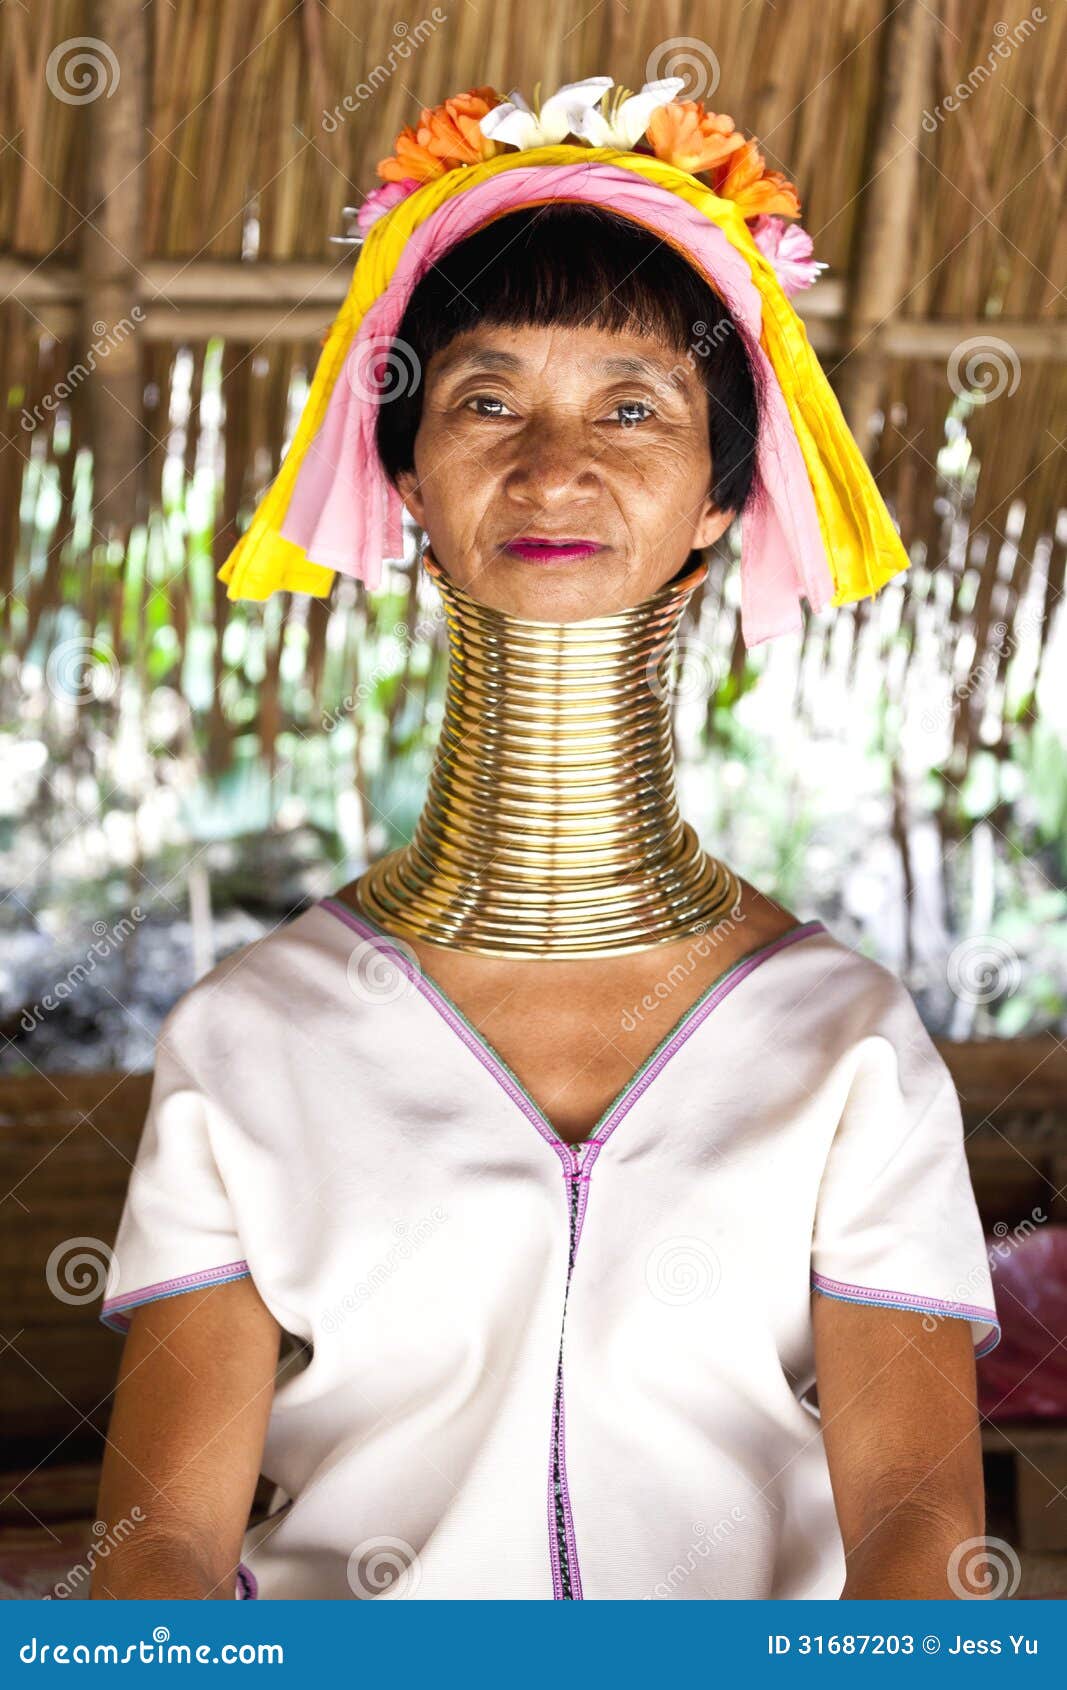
595 351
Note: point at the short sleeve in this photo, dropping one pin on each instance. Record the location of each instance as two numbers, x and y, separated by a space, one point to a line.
177 1230
897 1221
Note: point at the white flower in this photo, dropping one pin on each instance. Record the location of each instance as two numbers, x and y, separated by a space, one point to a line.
625 120
516 123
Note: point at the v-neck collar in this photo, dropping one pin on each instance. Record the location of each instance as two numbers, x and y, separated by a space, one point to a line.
491 1059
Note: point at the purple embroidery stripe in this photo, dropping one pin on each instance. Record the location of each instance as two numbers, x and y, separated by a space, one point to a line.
841 1289
700 1013
247 1583
111 1310
553 1545
444 1008
494 1065
583 1188
572 1547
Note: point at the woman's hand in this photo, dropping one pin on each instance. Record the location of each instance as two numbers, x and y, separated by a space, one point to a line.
185 1443
901 1431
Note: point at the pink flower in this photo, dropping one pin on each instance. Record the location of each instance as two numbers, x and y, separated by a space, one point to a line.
380 200
789 249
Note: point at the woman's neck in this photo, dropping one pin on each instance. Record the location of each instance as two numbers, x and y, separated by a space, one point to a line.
551 823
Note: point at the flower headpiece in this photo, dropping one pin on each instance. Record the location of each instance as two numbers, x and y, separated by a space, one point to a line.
478 125
817 526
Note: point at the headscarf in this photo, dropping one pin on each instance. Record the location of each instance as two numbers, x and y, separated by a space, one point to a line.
817 525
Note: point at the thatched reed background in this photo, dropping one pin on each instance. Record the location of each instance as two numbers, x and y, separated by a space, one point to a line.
900 768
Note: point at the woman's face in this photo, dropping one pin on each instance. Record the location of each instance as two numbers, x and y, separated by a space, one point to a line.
562 433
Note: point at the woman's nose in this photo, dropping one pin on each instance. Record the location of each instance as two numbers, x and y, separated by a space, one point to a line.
555 458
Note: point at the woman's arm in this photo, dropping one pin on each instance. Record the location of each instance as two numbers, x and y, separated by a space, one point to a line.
185 1443
900 1427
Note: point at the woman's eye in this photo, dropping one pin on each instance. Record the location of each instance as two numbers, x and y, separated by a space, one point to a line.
487 399
488 405
633 405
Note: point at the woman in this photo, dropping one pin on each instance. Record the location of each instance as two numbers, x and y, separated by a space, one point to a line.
499 1382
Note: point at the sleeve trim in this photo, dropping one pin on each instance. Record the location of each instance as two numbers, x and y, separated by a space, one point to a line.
247 1584
113 1310
847 1293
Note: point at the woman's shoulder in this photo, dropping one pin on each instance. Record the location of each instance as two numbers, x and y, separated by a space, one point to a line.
772 924
855 999
270 977
833 984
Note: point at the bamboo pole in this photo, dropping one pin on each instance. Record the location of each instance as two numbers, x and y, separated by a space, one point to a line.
110 263
887 208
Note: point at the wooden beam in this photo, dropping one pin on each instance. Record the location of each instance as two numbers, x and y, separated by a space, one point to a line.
298 300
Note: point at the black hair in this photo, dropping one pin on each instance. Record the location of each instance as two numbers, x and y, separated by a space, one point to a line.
567 262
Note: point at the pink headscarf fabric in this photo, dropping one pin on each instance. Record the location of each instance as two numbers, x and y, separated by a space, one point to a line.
346 514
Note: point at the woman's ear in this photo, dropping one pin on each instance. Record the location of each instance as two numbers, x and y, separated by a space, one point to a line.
407 485
711 524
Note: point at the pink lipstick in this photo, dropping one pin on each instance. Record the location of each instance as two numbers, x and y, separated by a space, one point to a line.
536 550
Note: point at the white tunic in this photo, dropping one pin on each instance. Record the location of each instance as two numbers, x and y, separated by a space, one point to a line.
325 1119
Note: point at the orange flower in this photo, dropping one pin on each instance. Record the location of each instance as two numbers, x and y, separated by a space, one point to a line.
446 135
758 191
684 134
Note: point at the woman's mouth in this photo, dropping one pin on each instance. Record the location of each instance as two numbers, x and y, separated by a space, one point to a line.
533 549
